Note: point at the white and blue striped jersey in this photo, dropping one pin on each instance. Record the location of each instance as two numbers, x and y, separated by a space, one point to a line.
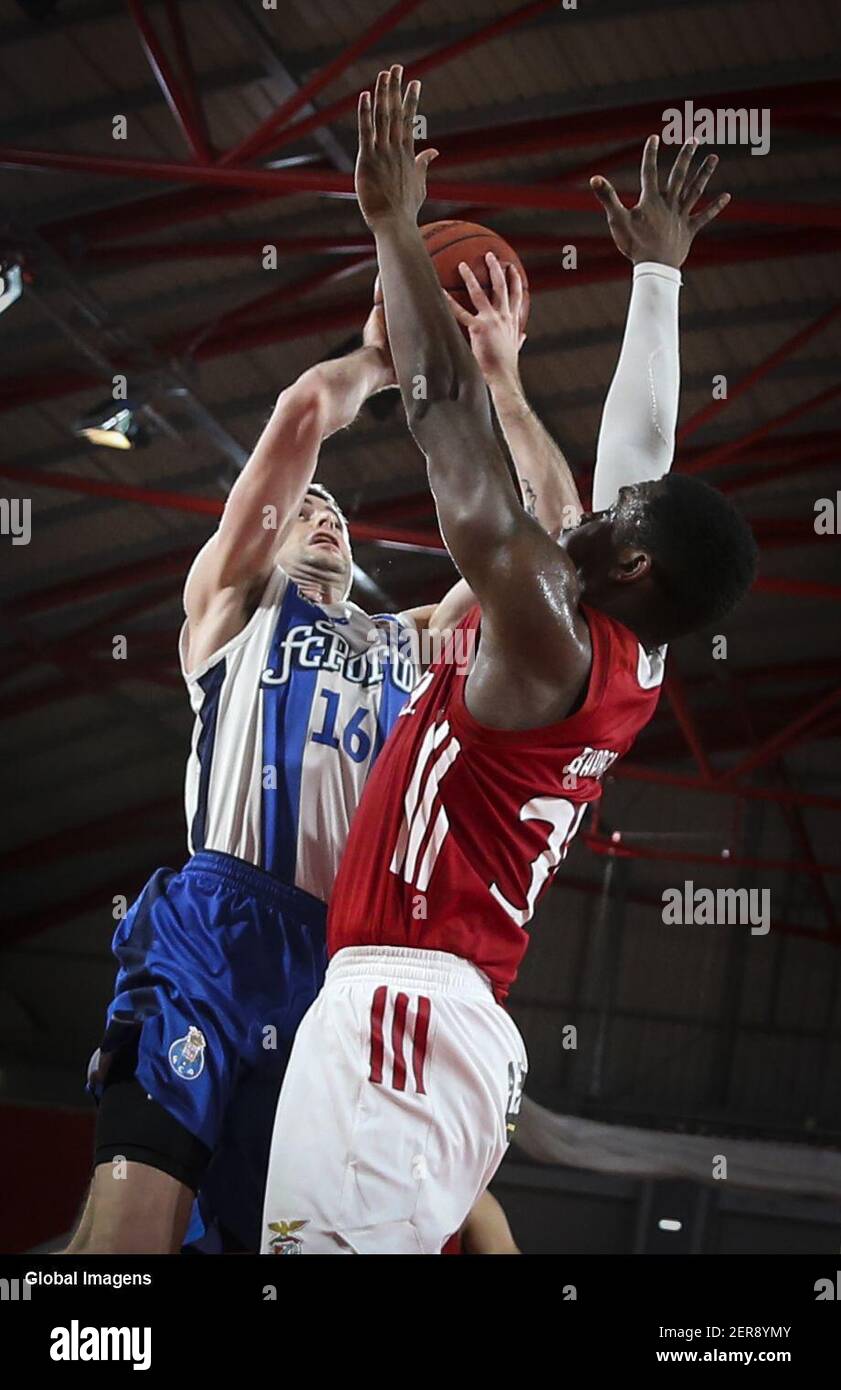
290 716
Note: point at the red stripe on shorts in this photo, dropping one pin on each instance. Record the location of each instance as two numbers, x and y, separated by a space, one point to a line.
377 1011
398 1029
419 1049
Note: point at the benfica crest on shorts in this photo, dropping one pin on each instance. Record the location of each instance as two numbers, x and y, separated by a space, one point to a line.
186 1056
284 1241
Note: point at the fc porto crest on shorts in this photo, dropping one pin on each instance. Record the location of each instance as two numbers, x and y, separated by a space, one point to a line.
186 1056
284 1241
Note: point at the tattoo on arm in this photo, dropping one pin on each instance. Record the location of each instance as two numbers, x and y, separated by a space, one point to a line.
529 496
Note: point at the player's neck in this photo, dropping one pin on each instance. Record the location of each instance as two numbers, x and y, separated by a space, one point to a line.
623 609
319 593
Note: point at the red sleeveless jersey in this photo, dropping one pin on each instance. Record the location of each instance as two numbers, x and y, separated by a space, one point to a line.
461 827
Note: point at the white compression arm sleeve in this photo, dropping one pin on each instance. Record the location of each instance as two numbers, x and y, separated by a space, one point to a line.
637 434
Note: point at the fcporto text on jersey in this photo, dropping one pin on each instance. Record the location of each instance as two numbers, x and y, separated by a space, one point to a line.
318 644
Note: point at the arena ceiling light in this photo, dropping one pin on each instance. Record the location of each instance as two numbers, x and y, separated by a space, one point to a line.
11 285
112 426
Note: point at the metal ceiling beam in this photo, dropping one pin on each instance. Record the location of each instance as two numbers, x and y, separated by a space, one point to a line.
176 95
662 777
87 113
768 531
619 849
104 832
284 83
428 63
711 458
786 737
92 586
266 132
676 694
762 369
550 132
175 20
796 588
536 195
42 386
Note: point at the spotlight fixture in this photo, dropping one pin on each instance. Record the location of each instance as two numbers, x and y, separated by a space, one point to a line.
113 425
11 284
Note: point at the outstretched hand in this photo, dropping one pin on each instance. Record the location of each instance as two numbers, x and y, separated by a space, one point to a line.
390 177
494 329
662 225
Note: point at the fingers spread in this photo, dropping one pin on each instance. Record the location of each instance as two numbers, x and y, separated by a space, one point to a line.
366 123
693 189
648 170
474 289
515 292
680 168
712 210
498 282
395 112
425 158
381 107
410 110
464 316
607 195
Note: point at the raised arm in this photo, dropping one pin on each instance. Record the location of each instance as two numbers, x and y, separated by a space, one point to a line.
237 560
637 435
527 585
550 493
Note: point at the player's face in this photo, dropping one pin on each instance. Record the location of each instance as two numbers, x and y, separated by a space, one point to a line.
317 541
593 543
591 540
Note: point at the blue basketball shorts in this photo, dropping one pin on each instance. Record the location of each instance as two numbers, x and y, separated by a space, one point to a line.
218 963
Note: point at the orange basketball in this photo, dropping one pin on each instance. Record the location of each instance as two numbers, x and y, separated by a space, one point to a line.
449 243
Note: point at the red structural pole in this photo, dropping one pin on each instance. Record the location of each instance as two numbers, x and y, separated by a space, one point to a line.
549 198
712 457
152 214
177 99
800 831
109 581
674 688
638 772
206 506
785 737
782 353
42 386
283 296
126 492
416 68
797 588
577 129
103 832
250 248
50 385
620 850
185 66
91 631
266 131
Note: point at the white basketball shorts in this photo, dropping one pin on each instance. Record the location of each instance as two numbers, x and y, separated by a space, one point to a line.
398 1104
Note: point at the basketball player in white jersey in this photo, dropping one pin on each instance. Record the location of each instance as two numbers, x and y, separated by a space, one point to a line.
294 690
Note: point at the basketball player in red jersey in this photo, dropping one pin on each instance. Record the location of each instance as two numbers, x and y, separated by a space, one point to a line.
406 1073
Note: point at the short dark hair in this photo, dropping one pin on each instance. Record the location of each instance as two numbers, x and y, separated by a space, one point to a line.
703 552
319 490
